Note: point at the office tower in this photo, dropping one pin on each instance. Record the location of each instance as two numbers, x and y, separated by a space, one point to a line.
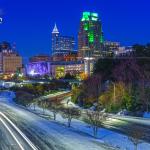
55 42
61 44
90 36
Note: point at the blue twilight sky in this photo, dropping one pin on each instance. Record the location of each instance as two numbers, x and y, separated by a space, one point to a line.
29 23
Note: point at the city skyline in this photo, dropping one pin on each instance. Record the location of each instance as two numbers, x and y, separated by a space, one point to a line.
74 75
120 27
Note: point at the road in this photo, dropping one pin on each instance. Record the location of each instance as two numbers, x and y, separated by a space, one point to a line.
6 140
13 136
43 134
126 125
55 95
123 124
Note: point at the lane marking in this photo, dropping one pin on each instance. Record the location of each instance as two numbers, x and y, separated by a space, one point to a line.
20 132
14 137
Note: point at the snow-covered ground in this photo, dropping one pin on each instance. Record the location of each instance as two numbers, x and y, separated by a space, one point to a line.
146 115
7 96
72 137
111 138
49 134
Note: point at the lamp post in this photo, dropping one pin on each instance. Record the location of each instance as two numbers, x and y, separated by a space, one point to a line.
114 86
114 89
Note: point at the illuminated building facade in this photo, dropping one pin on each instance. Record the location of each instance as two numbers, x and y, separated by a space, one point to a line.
72 56
60 69
115 49
61 44
38 69
11 62
90 36
111 47
124 51
88 66
54 69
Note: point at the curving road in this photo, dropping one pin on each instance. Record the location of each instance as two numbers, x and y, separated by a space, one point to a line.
6 140
11 134
127 124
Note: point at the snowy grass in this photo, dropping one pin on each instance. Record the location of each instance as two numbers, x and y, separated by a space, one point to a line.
111 138
146 115
72 137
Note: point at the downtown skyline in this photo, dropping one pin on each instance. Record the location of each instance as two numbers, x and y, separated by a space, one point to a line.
31 28
74 75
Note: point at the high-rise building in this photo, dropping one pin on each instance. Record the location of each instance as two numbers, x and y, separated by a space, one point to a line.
61 44
55 43
90 36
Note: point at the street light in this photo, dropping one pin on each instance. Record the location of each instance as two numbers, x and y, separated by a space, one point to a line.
114 91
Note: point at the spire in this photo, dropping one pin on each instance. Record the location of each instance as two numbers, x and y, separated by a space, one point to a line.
55 30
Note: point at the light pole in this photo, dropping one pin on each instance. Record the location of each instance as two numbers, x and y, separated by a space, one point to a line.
114 86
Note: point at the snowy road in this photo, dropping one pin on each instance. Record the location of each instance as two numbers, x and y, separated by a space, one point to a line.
11 134
46 135
6 140
125 124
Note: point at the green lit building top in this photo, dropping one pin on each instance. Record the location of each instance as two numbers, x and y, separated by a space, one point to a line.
87 16
90 37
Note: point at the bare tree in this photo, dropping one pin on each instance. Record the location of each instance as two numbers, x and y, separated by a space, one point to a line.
43 104
70 113
136 135
34 104
144 95
54 107
95 119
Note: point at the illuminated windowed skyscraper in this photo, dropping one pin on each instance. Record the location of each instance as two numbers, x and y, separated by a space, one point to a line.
90 37
61 44
55 43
